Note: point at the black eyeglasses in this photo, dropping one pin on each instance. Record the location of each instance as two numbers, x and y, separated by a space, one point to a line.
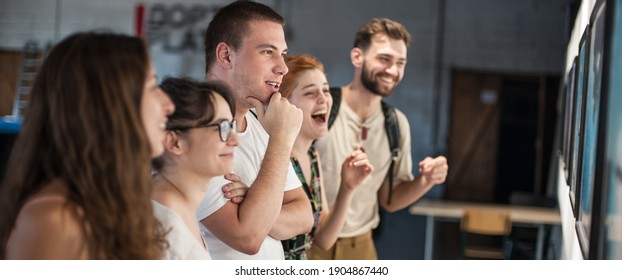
225 128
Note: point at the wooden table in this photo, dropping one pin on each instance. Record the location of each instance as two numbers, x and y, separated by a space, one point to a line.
453 210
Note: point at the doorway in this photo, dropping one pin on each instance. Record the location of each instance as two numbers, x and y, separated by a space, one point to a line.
499 135
500 139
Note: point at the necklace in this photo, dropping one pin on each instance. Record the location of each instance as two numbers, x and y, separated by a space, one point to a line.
361 135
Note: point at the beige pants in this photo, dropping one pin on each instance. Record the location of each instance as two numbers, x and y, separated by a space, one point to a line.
360 247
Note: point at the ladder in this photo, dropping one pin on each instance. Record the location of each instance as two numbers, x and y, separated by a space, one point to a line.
31 62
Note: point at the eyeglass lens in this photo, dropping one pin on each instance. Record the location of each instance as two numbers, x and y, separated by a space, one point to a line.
225 128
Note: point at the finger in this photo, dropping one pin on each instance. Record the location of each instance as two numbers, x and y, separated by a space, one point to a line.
437 170
355 157
238 187
237 200
227 195
424 162
439 161
365 166
258 105
360 162
275 97
424 169
232 177
370 168
348 161
233 186
442 173
428 169
440 178
237 192
358 154
358 151
437 180
430 163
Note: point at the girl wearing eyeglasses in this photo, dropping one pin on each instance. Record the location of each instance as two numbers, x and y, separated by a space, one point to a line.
305 86
199 144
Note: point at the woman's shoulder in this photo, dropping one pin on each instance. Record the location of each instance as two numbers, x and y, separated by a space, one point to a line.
52 210
48 226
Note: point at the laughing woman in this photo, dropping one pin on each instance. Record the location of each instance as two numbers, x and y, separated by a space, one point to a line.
305 86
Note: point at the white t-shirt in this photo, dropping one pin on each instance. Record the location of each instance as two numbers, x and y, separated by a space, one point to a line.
182 244
247 158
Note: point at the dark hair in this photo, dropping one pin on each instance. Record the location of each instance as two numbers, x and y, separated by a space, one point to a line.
194 103
296 65
391 28
83 127
231 23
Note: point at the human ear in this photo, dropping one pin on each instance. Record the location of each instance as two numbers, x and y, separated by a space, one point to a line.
173 144
356 56
223 54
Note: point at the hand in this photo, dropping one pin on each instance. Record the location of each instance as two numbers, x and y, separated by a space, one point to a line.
280 119
355 169
434 170
236 190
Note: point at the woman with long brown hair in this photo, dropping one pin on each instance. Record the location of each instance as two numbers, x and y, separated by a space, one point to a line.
77 184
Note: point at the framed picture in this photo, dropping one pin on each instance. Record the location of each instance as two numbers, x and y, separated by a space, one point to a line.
606 226
587 170
578 122
568 94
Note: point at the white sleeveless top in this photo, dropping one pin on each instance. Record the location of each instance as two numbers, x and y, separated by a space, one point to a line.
182 244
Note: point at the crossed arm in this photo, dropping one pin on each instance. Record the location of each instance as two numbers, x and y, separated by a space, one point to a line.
265 209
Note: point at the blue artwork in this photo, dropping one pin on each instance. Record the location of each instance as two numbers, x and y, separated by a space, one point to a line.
613 144
592 101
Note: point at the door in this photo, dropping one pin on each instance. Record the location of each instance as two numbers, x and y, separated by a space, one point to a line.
495 140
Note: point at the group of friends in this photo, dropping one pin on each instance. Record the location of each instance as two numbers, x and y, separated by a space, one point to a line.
109 164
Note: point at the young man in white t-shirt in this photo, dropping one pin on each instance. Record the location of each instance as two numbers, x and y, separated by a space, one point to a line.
245 48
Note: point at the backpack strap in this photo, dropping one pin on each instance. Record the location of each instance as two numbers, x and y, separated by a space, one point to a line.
393 135
335 92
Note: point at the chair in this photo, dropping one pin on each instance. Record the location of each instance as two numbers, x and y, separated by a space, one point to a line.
523 238
530 199
485 234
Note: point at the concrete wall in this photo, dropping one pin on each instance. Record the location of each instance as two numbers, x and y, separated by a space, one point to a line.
512 36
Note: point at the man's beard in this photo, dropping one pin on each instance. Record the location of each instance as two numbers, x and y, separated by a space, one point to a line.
371 85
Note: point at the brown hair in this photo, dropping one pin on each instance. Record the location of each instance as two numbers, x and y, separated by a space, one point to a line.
391 28
297 65
231 24
83 126
194 104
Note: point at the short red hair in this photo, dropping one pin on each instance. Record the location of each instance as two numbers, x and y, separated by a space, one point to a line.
297 64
